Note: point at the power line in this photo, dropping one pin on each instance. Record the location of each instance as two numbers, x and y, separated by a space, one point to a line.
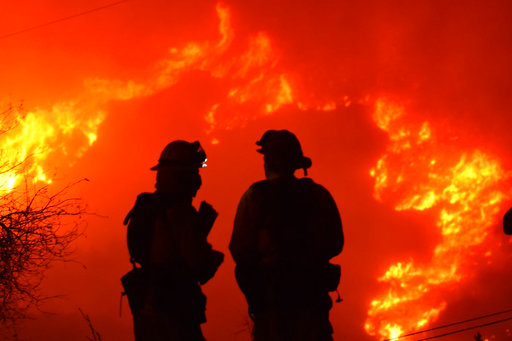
466 329
451 324
72 16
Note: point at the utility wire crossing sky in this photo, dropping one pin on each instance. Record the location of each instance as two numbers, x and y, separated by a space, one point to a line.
69 17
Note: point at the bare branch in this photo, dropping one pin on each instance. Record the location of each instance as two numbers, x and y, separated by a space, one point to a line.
95 335
37 226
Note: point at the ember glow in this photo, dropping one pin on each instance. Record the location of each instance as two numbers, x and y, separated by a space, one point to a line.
465 189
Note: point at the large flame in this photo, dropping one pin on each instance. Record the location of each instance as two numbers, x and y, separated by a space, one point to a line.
420 172
31 140
68 128
254 76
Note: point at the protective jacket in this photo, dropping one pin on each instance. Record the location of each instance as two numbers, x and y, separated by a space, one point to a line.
167 237
286 230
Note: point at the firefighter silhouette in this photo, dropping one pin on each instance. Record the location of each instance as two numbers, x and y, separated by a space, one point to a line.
168 249
507 222
286 230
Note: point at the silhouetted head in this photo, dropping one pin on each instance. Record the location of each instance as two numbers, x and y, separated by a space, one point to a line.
178 168
507 222
282 153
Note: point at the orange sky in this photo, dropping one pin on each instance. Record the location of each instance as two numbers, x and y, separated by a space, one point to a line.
447 64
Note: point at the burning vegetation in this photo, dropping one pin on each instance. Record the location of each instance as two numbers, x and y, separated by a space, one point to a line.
37 224
465 189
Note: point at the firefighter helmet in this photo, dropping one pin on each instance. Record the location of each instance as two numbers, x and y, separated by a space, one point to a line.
284 146
182 154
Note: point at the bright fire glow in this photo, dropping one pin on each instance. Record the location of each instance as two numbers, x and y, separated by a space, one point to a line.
70 127
418 172
254 76
31 141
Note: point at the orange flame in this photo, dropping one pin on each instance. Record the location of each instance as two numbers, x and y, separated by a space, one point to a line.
30 139
69 127
254 76
463 188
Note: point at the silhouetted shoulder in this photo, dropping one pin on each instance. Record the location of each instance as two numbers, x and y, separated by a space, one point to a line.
303 186
257 190
507 222
260 185
317 192
315 189
327 215
143 200
309 183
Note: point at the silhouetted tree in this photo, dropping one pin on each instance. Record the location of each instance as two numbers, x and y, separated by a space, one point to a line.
37 226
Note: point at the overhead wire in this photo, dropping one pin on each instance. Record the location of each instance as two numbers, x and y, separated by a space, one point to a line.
466 329
451 324
72 16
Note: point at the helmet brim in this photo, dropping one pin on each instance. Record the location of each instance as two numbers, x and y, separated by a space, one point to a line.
163 167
